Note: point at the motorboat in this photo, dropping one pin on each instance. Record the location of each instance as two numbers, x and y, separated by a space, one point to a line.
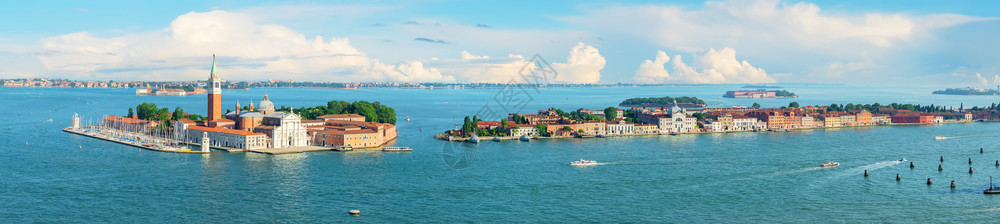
496 139
396 149
583 162
474 139
902 160
940 137
525 138
829 164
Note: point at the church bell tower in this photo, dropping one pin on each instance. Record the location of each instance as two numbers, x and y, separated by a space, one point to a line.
214 94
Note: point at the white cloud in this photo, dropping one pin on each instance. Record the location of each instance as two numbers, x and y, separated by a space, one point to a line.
653 71
247 50
981 79
583 65
711 67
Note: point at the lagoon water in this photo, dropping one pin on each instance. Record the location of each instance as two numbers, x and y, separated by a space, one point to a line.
47 175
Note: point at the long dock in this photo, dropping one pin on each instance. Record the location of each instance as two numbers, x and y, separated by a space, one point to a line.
71 130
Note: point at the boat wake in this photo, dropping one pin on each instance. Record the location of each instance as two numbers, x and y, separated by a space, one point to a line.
869 167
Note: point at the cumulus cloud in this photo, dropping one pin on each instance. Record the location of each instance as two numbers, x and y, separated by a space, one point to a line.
583 65
247 50
711 67
653 71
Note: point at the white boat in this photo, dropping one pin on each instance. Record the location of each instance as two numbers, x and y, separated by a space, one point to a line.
940 137
829 164
525 138
583 162
474 139
396 149
902 160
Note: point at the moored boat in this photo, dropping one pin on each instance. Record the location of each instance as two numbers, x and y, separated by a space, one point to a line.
992 189
525 138
940 137
829 164
474 139
583 162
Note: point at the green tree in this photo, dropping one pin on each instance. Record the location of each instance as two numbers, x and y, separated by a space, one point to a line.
700 116
130 112
793 104
364 108
543 129
503 125
467 125
610 113
178 114
756 105
567 128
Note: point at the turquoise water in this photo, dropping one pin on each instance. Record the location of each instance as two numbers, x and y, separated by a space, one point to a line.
736 177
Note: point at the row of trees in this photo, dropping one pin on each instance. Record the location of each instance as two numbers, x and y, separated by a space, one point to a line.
372 111
149 111
876 106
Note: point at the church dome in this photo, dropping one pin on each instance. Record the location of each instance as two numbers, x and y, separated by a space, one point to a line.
265 105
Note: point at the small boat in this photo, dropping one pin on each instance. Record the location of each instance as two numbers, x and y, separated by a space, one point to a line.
396 149
940 137
496 139
829 164
600 136
525 138
902 160
992 189
343 148
474 139
583 162
407 118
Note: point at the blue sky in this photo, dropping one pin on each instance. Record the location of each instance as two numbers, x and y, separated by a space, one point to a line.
852 42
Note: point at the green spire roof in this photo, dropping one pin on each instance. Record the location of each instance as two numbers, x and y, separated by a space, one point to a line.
214 70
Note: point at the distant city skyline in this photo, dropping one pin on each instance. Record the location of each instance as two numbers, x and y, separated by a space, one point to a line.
711 42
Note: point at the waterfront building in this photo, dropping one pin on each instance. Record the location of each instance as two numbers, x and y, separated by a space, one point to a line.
912 118
524 129
357 134
593 127
675 121
750 94
863 117
224 137
559 129
646 129
745 123
620 127
285 130
881 119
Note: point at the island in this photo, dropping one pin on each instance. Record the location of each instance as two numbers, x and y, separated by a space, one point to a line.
759 94
968 91
261 128
684 101
612 121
